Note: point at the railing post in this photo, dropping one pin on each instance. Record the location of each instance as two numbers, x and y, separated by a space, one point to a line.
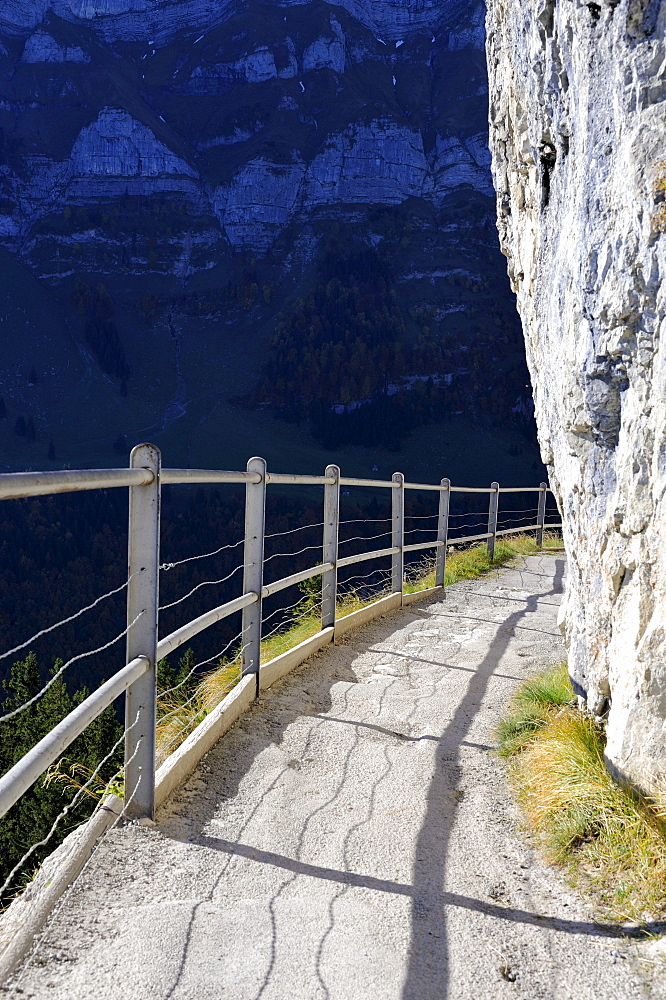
142 602
492 519
398 531
253 567
442 531
329 581
541 514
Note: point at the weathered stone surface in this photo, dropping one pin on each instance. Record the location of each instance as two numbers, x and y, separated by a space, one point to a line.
578 135
380 162
326 53
41 47
258 203
118 146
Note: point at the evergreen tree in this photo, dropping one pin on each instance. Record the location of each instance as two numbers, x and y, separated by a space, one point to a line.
31 818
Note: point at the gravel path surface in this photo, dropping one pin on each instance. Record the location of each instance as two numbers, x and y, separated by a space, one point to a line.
352 838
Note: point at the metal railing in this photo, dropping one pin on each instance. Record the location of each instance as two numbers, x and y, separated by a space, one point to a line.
137 679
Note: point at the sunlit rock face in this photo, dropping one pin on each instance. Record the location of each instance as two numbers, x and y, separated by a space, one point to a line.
578 136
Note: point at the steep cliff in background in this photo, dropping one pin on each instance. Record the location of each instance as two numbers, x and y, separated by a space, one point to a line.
578 136
194 157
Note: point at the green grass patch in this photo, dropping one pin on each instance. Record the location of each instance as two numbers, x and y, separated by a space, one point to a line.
532 708
609 839
471 562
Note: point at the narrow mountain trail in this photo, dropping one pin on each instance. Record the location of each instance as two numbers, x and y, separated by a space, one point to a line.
352 838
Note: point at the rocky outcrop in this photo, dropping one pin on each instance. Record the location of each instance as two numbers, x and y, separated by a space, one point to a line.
116 150
578 136
42 48
321 110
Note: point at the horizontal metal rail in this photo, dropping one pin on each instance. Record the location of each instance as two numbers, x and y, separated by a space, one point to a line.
426 486
182 476
346 481
289 581
23 484
26 771
470 538
286 478
526 527
517 531
522 489
471 489
186 632
363 556
34 484
418 546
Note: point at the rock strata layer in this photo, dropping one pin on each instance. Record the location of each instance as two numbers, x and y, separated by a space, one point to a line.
578 136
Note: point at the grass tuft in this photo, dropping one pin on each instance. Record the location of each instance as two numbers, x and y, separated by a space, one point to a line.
609 839
532 708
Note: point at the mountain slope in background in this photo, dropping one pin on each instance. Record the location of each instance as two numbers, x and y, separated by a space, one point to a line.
212 211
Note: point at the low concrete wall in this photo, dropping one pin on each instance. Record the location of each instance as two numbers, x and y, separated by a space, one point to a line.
281 665
183 761
22 921
367 614
419 595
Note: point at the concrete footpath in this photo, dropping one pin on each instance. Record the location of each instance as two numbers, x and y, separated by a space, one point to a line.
352 838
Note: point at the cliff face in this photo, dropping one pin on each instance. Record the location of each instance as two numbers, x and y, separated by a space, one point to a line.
269 115
578 137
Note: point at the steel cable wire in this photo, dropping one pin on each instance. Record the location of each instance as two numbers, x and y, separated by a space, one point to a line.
289 607
204 583
202 663
204 555
162 750
306 548
367 520
65 621
61 670
365 538
279 534
288 621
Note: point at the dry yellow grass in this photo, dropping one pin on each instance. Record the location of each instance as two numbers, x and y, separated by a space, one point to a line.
610 840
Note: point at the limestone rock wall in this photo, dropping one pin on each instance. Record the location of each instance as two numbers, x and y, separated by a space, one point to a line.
578 137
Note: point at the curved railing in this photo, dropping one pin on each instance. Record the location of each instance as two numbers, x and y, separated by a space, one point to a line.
137 678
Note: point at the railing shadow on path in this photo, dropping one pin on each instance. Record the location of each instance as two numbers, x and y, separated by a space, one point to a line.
427 975
224 760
